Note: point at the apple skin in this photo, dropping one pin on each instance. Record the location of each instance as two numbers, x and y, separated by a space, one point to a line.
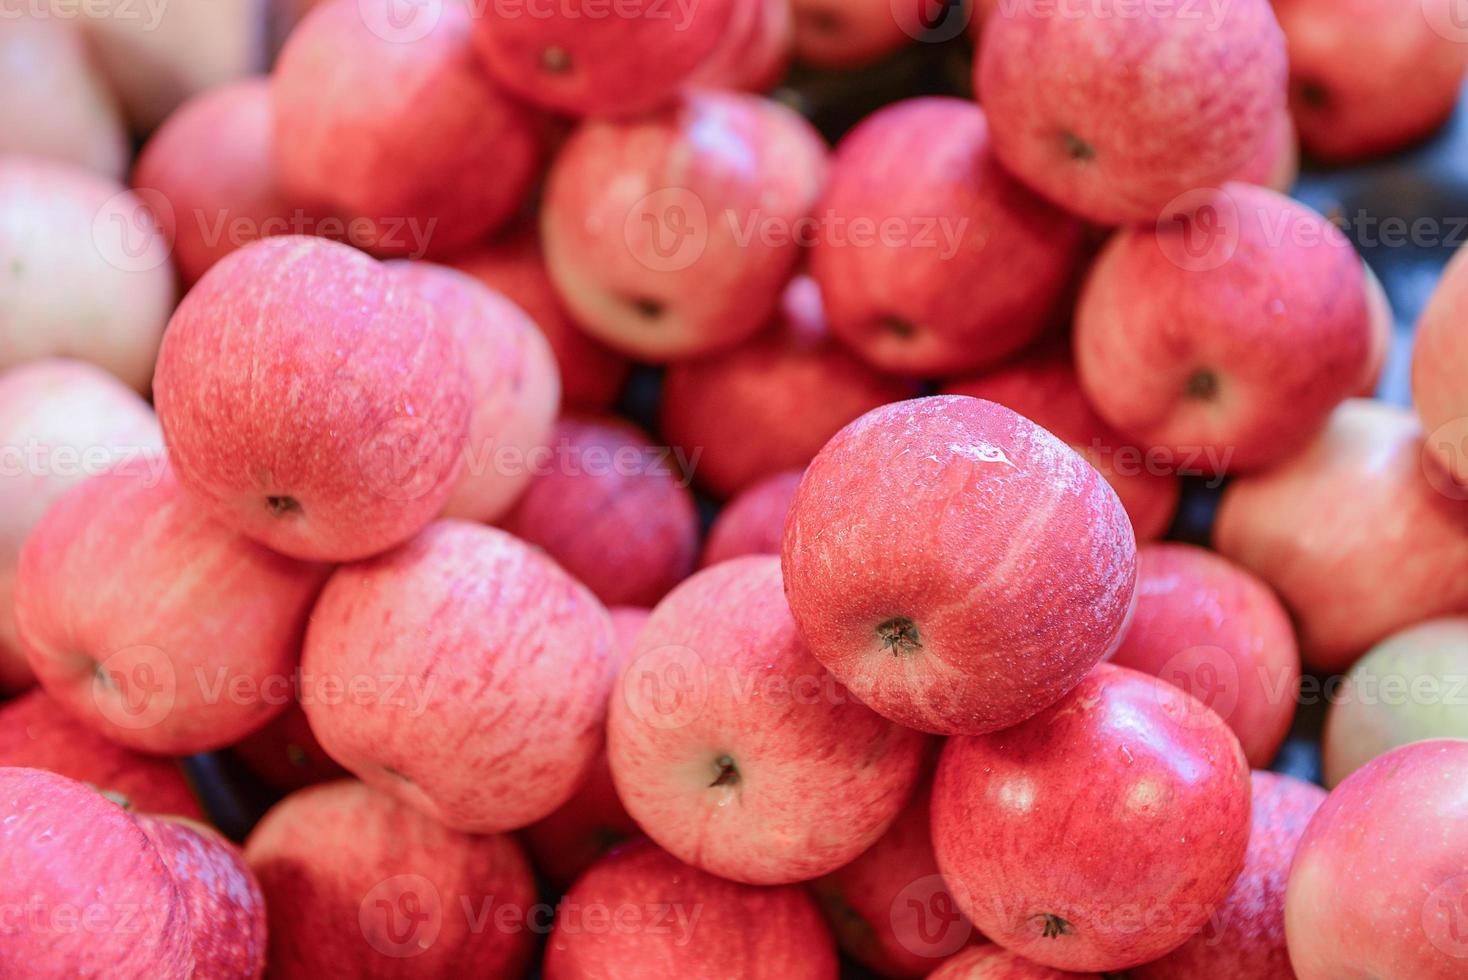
285 753
592 375
1383 329
80 420
514 383
1323 551
952 492
323 416
1043 387
1246 358
1099 834
756 48
771 403
1277 164
980 262
1216 631
1379 885
645 222
89 274
342 863
400 132
154 624
995 963
1439 357
35 733
629 60
846 33
754 522
628 530
1376 711
739 931
516 659
1110 144
762 768
1245 938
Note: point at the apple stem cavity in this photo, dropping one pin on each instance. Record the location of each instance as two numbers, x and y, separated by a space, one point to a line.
282 505
648 309
1203 386
899 327
1078 149
728 773
900 636
556 60
1054 926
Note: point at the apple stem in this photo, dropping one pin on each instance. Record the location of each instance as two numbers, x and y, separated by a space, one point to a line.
899 327
728 772
1055 926
282 505
900 636
1203 386
556 60
650 309
1077 148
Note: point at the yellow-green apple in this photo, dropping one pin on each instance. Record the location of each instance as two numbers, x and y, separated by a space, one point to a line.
87 270
1410 687
612 509
641 914
735 750
1379 885
285 753
673 234
1236 328
155 624
359 884
926 533
1101 833
755 50
396 128
463 672
1439 356
1077 111
932 260
753 522
771 403
990 962
846 33
1322 549
313 400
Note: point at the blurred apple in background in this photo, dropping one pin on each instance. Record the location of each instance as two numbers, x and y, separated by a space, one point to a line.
753 523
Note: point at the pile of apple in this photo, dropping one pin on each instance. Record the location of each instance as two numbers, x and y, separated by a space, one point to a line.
308 453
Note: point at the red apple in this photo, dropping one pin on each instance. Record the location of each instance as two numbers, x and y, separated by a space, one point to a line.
1439 359
1353 534
1245 937
285 753
1043 387
933 259
1080 112
1099 834
755 50
591 374
581 57
393 125
153 623
771 403
464 672
60 422
313 400
735 750
997 963
1219 633
359 884
846 33
753 522
641 914
955 565
672 235
612 508
1379 887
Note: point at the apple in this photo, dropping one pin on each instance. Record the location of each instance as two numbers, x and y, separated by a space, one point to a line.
54 102
755 50
592 374
87 270
1383 330
935 261
60 422
154 624
735 750
1099 834
673 234
1439 352
514 383
1244 349
285 753
613 509
585 58
392 125
312 400
925 533
753 522
1277 164
1410 687
641 914
771 403
846 33
1379 886
464 673
359 884
996 963
1079 113
1352 567
1042 386
1219 633
211 165
1245 938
